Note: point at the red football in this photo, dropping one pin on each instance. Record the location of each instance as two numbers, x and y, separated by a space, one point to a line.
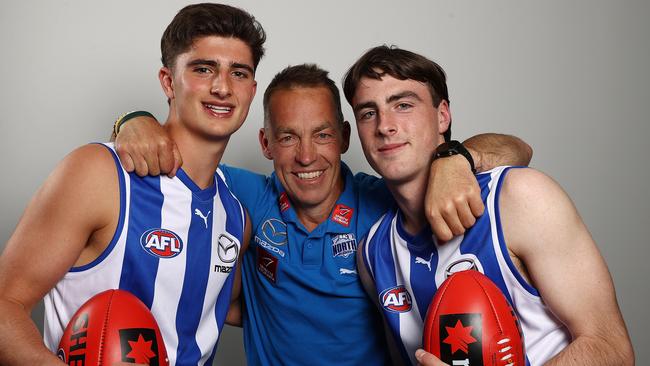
470 322
112 326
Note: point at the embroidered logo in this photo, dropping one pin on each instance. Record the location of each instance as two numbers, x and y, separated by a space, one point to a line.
227 248
342 214
343 245
464 263
267 264
396 299
344 271
419 260
275 231
284 202
161 243
200 214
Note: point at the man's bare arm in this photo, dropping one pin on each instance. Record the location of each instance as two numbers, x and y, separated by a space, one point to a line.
144 146
234 316
453 199
543 229
52 235
491 150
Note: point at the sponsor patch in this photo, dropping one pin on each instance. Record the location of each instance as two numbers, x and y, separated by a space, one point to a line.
227 248
461 339
396 299
342 214
463 263
343 245
139 345
274 231
161 243
267 264
284 202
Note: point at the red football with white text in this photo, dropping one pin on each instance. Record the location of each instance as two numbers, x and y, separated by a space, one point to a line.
112 326
470 322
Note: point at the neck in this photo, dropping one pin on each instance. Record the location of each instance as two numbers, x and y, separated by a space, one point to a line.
313 215
201 156
410 197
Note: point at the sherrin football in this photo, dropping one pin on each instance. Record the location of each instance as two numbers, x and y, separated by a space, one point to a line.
112 326
470 322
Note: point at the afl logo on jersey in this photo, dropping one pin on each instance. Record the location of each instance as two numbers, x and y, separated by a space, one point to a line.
396 299
161 243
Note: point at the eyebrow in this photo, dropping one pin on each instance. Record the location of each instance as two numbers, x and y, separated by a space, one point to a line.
390 99
318 128
404 94
212 63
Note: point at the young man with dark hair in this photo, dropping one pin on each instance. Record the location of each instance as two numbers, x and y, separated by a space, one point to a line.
530 241
175 243
300 283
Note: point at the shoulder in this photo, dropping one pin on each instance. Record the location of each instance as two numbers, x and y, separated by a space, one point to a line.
533 208
85 164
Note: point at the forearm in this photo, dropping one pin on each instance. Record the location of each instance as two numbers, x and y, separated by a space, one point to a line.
490 150
20 341
586 351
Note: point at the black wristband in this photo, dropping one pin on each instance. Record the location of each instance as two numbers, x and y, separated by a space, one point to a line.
451 148
121 120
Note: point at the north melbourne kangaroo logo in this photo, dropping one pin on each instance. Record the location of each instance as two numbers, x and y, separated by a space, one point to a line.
200 214
419 260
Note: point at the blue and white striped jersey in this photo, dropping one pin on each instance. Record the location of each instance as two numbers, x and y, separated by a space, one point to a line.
176 248
411 268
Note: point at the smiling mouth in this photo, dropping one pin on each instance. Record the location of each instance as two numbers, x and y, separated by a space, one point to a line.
310 175
216 109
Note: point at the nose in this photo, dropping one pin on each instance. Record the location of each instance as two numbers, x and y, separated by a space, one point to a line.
386 126
306 153
221 86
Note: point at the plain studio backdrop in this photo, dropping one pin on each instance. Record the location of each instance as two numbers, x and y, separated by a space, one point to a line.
569 77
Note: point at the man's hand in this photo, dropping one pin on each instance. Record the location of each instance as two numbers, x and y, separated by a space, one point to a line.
427 359
453 198
144 146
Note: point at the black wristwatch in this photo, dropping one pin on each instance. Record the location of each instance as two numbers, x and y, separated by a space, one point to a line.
452 148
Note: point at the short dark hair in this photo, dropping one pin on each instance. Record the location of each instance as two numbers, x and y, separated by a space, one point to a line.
200 20
303 76
400 64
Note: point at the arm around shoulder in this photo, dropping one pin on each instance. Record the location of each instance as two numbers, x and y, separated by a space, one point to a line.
490 150
544 231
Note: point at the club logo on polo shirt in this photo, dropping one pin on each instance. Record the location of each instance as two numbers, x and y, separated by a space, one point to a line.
343 245
342 214
161 243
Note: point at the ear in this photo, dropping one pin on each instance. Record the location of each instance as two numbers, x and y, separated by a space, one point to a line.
444 117
254 89
264 144
165 77
345 137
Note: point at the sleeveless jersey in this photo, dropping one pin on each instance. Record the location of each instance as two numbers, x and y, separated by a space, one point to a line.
175 248
394 258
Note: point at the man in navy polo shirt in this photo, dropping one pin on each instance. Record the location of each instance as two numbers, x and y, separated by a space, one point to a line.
303 300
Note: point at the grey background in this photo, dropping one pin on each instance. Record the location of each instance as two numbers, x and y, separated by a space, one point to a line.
569 77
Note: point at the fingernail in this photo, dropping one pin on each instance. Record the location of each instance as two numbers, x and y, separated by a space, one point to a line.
419 353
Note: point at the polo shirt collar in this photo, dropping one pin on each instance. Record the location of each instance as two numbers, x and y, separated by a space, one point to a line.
343 217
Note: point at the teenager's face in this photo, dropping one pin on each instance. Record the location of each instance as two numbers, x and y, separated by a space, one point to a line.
211 86
305 141
398 126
